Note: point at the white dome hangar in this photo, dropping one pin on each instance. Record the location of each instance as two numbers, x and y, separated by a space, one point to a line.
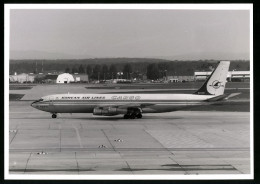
65 78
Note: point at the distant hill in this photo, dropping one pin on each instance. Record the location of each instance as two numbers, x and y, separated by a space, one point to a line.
34 54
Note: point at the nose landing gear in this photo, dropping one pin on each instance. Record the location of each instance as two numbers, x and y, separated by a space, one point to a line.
126 116
54 115
139 115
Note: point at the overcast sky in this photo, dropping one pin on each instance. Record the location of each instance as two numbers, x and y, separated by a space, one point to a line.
130 33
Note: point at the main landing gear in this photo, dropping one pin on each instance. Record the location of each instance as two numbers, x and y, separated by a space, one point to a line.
54 115
133 114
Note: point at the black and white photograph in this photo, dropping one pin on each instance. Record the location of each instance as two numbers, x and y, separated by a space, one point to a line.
128 91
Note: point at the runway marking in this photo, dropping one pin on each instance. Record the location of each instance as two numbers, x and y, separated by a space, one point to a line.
27 162
237 169
130 149
81 126
14 136
158 142
77 132
130 169
171 167
60 137
185 169
77 161
78 136
225 161
49 170
108 139
185 172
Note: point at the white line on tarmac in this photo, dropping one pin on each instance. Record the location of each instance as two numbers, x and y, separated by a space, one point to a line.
78 136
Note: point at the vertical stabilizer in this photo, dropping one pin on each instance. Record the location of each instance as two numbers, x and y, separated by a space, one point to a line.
215 84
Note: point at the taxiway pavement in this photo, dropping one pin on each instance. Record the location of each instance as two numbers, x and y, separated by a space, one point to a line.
182 142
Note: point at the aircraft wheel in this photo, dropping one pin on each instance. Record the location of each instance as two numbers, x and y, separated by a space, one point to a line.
54 116
139 115
126 116
132 116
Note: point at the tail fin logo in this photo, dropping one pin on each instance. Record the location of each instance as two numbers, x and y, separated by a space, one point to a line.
216 84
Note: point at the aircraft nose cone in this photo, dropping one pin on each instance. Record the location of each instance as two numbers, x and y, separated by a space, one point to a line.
33 104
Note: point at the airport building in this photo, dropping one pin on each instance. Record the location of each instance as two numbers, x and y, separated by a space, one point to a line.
47 78
21 78
233 76
81 78
236 76
180 78
65 78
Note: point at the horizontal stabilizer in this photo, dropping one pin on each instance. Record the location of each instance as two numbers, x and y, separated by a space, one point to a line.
232 95
222 97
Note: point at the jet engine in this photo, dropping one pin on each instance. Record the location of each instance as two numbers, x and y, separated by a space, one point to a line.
109 111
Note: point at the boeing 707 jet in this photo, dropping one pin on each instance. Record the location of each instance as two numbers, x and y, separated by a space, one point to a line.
134 105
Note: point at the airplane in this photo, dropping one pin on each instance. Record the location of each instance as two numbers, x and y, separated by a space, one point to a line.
132 106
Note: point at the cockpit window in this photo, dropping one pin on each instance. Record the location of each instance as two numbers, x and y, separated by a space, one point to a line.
39 100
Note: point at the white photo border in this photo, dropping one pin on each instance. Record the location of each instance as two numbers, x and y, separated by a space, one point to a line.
8 7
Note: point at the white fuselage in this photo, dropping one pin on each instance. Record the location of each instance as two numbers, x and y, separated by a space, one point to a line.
85 103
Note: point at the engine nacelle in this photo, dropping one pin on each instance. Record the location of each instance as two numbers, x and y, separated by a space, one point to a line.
110 111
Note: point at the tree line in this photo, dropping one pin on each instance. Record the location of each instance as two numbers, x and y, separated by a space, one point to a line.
103 72
127 70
